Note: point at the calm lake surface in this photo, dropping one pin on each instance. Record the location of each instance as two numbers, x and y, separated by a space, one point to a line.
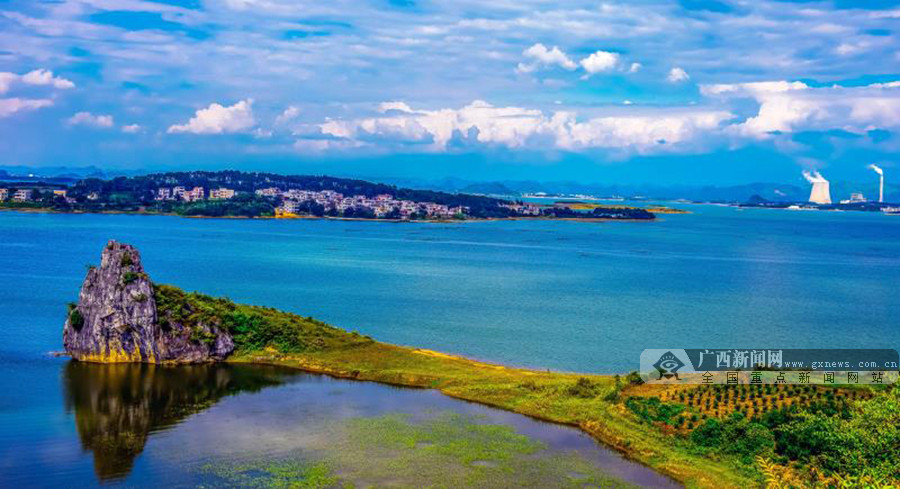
552 294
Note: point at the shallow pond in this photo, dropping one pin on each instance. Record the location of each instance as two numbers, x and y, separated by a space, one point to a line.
240 425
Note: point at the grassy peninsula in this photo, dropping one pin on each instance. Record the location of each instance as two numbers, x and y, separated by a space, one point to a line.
801 442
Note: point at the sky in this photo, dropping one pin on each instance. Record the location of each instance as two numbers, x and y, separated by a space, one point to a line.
689 92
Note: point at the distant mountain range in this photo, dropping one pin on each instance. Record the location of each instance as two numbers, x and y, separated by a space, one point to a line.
776 192
56 174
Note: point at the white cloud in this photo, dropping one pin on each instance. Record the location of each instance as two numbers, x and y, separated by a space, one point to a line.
36 77
131 128
88 119
516 127
289 114
543 57
752 88
45 77
677 75
850 48
635 67
600 61
9 106
794 106
7 79
217 119
398 106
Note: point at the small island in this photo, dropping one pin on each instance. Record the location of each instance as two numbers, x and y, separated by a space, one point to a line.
702 436
245 194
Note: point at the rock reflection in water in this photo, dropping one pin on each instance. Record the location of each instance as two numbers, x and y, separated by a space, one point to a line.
118 406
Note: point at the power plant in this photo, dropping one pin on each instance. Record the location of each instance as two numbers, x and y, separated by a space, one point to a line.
821 191
880 172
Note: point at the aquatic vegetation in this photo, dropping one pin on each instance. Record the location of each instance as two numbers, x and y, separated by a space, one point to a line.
277 474
444 450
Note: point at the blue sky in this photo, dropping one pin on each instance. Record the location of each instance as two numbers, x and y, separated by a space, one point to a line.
706 92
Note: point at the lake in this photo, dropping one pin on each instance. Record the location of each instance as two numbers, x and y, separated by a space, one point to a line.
561 295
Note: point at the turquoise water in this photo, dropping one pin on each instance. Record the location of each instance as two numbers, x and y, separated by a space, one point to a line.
549 294
560 295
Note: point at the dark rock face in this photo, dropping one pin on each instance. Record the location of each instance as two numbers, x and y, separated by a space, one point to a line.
115 320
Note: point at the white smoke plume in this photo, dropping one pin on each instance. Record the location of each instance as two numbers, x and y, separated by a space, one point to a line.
876 169
814 177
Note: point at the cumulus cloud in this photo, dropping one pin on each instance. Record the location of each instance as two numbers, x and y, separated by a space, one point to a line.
677 75
218 119
9 106
539 56
600 61
36 77
45 77
517 127
794 106
131 128
635 67
88 119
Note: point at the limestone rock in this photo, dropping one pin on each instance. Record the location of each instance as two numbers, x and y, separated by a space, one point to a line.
115 319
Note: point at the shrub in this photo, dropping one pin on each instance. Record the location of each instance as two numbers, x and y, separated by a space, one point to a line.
653 410
129 277
583 388
126 260
736 435
75 317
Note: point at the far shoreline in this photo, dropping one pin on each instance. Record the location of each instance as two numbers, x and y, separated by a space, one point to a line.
44 210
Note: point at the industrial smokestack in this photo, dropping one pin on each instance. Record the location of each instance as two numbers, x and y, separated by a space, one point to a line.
821 191
880 172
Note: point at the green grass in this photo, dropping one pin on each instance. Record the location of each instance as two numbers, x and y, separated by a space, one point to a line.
642 430
552 396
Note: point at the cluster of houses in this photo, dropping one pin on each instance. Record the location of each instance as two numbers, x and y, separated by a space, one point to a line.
26 194
16 195
194 194
523 209
381 205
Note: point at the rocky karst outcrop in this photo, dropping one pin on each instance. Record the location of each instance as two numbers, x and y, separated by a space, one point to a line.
116 319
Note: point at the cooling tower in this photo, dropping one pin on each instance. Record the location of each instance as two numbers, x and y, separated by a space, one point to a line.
821 191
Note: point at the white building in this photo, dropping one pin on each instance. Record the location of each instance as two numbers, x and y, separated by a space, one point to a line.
197 193
23 195
164 193
221 193
269 192
290 206
4 194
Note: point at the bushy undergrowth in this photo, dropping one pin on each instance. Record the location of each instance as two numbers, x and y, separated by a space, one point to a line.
815 441
253 328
